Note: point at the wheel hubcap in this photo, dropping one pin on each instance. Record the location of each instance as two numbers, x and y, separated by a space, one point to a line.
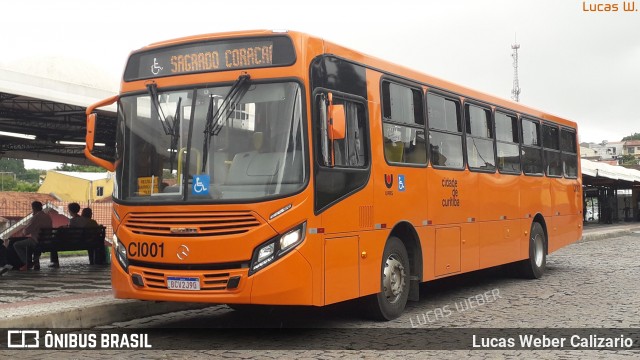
538 248
393 280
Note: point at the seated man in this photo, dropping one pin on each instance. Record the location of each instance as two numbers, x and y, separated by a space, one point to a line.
39 221
63 221
4 263
95 256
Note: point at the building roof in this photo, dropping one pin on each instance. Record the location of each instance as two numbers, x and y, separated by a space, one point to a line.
89 176
18 204
46 100
632 143
600 169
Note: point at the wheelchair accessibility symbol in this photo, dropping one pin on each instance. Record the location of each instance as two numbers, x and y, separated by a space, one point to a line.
155 68
200 185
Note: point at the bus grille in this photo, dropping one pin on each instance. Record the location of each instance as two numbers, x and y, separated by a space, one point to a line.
211 281
192 224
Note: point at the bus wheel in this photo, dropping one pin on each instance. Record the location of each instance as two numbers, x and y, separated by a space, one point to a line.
390 303
534 267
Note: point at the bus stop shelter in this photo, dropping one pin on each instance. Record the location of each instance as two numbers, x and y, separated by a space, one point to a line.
611 193
43 117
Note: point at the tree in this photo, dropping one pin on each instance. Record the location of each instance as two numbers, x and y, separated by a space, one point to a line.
79 168
14 177
15 166
23 186
629 159
635 136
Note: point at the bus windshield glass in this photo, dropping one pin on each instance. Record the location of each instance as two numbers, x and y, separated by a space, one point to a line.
165 154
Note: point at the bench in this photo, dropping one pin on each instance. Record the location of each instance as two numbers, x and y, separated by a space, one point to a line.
67 239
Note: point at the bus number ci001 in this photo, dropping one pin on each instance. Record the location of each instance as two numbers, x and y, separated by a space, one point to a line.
145 249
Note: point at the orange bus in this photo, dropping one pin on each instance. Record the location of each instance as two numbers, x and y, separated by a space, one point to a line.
274 167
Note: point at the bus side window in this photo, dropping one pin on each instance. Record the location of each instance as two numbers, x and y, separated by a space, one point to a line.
445 132
351 151
480 153
507 143
551 144
569 154
343 158
531 147
403 124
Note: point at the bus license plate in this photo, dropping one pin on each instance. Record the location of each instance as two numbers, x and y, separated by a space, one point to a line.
183 283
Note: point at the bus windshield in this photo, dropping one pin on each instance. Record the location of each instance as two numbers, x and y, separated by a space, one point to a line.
257 152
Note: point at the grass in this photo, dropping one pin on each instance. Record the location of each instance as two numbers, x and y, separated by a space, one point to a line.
72 253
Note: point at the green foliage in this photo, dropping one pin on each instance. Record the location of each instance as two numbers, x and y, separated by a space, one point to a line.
15 166
79 168
7 183
635 136
23 186
629 159
31 175
28 180
19 178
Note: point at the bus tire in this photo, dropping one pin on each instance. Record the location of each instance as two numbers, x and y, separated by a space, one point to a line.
394 282
534 266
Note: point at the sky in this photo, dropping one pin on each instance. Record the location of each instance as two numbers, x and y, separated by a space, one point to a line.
577 64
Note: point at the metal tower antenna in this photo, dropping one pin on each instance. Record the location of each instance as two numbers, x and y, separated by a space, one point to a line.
515 92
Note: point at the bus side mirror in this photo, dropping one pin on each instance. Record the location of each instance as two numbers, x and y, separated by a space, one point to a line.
337 122
90 137
91 129
332 127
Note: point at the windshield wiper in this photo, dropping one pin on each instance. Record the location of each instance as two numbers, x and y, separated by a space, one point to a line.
153 94
170 126
175 135
215 122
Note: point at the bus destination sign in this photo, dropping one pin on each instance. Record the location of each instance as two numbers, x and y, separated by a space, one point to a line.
209 56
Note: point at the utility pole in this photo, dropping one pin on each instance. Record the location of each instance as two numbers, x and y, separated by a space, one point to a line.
515 92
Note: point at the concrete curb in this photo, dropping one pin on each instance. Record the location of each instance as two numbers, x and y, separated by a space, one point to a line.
85 314
606 234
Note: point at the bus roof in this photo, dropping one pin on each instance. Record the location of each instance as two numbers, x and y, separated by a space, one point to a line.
301 39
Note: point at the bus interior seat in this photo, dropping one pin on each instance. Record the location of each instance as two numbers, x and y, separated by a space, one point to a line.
394 151
219 175
416 155
254 168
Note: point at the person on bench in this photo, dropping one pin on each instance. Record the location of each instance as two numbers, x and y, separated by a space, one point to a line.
89 223
74 209
39 221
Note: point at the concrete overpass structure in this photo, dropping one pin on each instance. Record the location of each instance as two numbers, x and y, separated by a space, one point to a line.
42 113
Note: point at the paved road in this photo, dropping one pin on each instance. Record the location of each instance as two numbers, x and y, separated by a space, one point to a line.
590 284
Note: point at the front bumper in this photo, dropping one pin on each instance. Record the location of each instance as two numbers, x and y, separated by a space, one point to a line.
288 281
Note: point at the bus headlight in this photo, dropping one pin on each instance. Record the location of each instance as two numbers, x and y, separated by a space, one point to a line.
265 252
121 253
290 239
275 248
